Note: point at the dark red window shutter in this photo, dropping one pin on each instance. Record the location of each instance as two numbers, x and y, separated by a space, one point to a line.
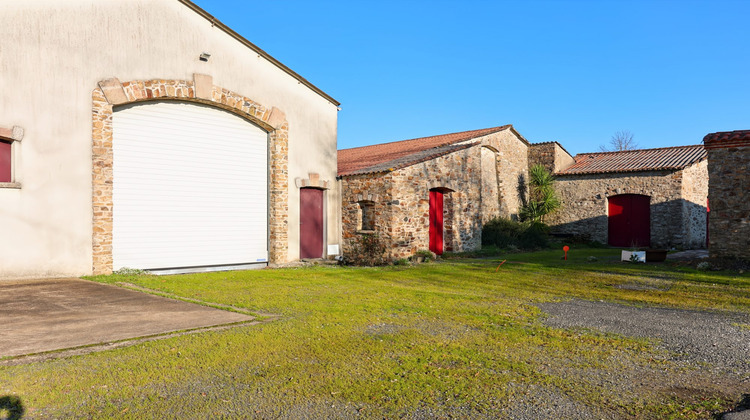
5 162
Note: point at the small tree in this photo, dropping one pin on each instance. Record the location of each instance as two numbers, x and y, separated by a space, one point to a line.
542 197
621 140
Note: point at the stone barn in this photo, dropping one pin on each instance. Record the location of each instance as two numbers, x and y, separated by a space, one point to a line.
728 193
636 198
432 192
147 134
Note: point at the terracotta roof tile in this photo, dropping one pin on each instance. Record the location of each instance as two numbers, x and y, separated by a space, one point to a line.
400 154
665 158
727 139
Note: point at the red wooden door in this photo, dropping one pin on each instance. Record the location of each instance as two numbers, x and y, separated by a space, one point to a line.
436 222
629 220
5 162
310 223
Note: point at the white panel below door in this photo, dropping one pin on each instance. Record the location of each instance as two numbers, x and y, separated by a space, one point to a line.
190 187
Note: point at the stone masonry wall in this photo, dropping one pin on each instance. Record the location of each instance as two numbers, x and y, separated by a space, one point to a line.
511 155
459 172
374 188
490 193
694 195
401 198
512 170
729 183
584 204
551 155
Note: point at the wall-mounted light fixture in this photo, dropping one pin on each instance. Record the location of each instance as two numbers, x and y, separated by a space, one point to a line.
205 56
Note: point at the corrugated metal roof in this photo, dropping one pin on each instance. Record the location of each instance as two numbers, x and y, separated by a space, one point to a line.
399 154
665 158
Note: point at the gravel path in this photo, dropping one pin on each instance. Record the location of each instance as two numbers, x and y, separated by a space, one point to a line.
716 339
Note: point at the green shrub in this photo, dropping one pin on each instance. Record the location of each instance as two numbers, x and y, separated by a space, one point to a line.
542 196
505 233
369 250
401 261
427 255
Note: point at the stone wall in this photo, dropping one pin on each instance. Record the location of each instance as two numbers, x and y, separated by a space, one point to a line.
729 183
584 200
551 155
512 170
479 183
373 188
401 204
694 195
459 174
511 156
490 193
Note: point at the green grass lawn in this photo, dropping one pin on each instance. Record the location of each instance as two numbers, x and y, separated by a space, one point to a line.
458 336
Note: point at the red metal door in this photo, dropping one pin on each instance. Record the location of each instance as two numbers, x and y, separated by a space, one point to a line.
5 162
436 222
629 220
310 223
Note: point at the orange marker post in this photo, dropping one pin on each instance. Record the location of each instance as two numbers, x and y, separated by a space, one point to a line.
566 249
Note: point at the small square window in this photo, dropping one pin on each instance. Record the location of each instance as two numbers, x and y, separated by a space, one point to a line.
6 173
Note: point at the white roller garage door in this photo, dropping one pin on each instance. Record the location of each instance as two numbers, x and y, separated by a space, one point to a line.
189 188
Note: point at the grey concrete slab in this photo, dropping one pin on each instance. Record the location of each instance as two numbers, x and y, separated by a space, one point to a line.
53 314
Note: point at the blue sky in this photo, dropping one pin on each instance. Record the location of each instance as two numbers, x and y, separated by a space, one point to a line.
670 72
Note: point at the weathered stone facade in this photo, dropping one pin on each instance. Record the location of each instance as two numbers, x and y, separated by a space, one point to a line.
201 90
551 155
512 169
677 204
479 182
459 176
694 200
375 189
729 183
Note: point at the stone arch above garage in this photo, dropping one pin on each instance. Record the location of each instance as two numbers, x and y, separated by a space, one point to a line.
111 92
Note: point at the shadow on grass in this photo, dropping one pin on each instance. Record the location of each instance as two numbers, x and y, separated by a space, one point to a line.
607 260
744 405
12 407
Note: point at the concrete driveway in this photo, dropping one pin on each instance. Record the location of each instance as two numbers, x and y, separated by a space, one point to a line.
54 314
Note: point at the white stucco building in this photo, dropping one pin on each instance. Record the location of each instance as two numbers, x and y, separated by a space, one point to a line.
147 134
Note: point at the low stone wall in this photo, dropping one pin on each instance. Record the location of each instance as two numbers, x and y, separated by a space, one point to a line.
729 183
